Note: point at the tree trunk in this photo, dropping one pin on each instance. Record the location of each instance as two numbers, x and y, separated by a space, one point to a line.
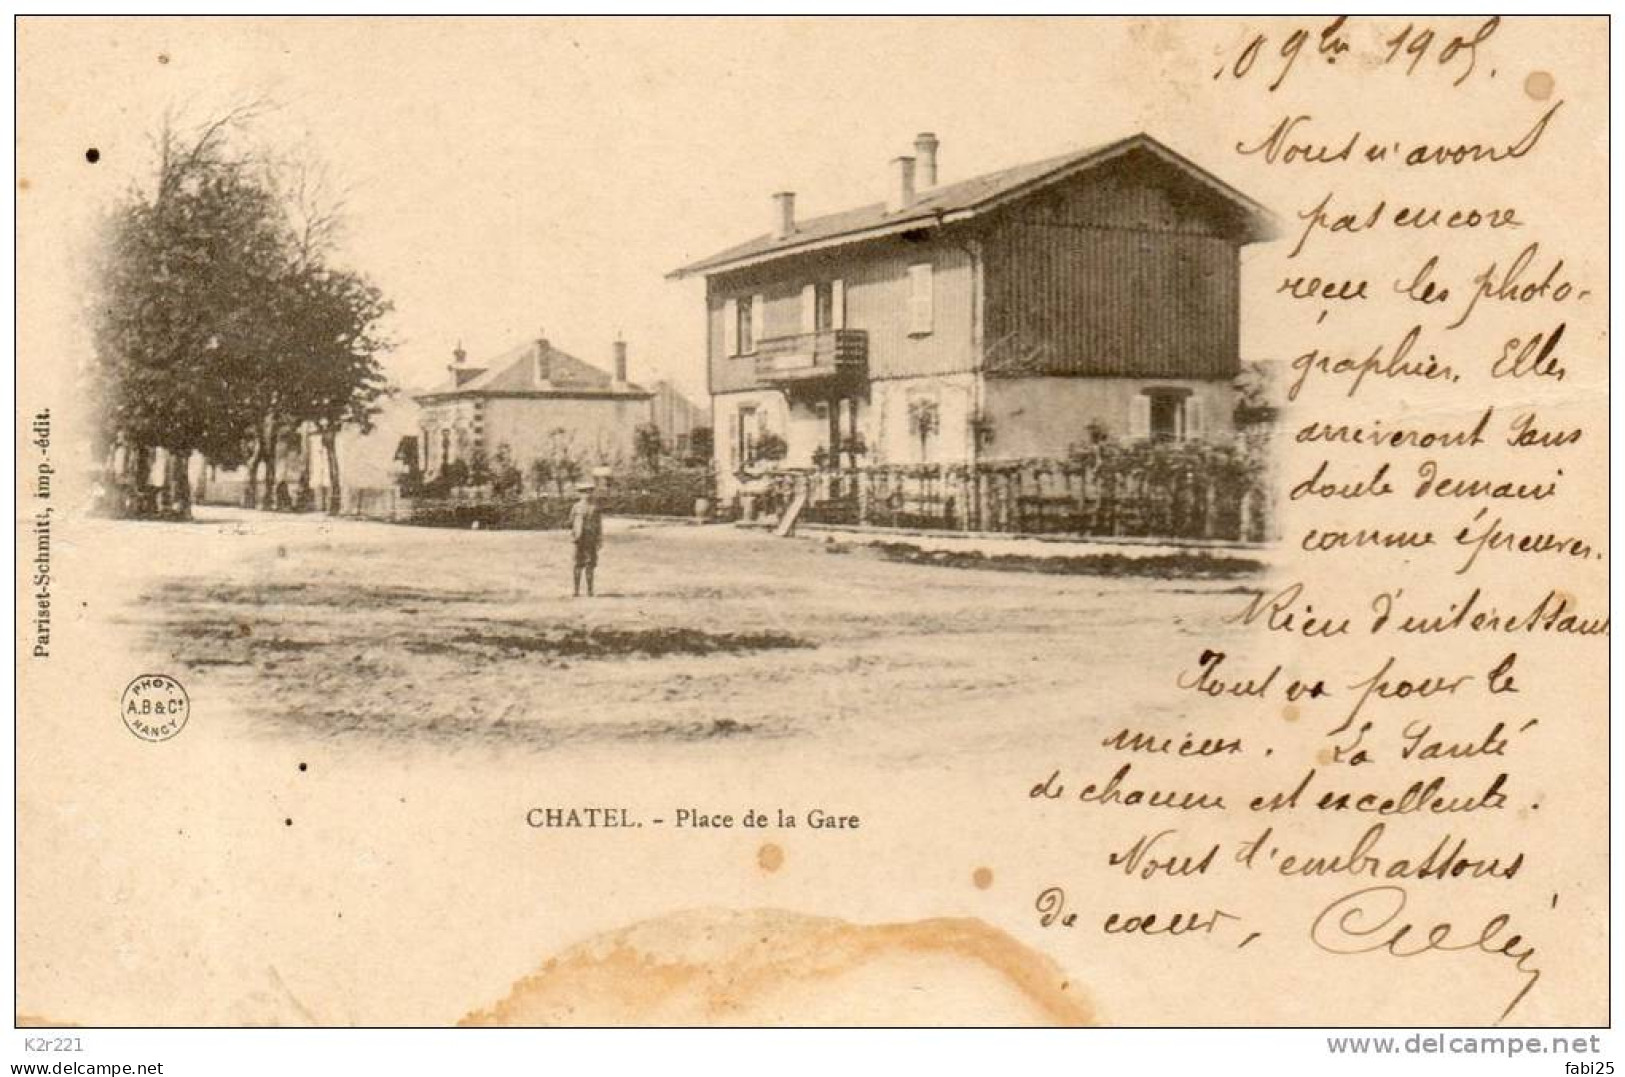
252 469
141 466
251 497
179 482
335 498
268 454
145 502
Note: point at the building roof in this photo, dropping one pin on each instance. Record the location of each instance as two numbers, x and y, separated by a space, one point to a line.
960 201
516 372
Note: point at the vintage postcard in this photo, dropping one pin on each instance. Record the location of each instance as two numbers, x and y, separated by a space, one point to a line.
812 521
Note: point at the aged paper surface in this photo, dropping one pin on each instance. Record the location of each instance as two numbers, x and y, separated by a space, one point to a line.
1134 555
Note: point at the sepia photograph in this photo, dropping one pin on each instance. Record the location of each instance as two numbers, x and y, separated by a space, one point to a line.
814 522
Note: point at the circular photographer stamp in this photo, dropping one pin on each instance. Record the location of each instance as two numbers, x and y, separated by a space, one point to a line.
155 707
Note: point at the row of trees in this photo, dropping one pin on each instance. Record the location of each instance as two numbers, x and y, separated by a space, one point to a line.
220 322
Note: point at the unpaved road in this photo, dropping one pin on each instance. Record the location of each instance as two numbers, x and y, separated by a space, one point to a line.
347 629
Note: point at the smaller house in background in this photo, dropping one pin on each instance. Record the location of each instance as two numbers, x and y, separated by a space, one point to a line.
676 416
532 402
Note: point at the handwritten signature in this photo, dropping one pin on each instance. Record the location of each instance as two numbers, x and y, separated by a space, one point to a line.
1366 921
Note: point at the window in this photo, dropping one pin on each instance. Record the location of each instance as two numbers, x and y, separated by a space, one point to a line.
745 428
742 323
1167 417
1165 414
823 306
919 299
747 327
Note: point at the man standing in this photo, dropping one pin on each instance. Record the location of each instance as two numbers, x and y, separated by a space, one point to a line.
587 533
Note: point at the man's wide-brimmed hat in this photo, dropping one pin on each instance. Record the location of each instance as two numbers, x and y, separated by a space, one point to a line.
584 487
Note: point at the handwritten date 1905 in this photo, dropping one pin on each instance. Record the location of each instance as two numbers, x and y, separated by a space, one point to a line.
1408 48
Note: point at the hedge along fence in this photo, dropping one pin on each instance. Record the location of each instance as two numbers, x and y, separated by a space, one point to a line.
1169 490
672 492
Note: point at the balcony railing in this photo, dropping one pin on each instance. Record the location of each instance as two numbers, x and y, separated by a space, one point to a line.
810 356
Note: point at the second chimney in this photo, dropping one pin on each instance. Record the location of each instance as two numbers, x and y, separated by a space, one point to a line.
784 214
925 149
620 361
902 184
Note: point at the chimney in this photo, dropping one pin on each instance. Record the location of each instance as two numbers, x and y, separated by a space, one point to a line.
544 371
784 214
620 362
902 186
461 372
925 150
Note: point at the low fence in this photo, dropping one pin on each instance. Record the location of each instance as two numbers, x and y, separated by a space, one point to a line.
290 497
678 492
1183 491
1171 491
221 492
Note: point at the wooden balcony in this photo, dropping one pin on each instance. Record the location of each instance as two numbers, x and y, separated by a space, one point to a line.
808 357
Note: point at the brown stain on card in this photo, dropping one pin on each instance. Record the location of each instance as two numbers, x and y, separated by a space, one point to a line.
774 967
770 858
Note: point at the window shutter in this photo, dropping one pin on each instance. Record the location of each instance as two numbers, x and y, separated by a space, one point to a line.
758 321
1193 417
837 304
730 327
1139 416
919 298
809 308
